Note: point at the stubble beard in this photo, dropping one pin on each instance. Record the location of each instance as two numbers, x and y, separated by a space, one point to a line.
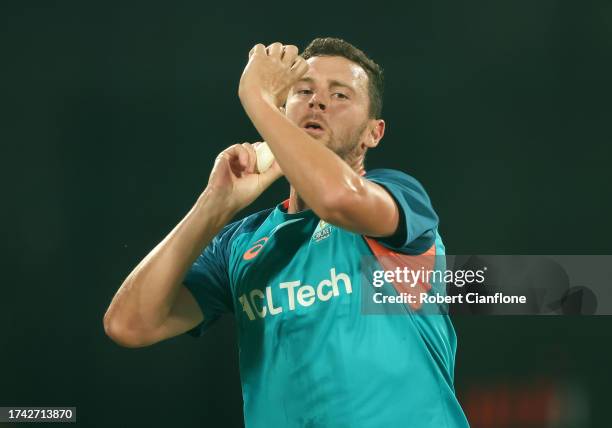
347 148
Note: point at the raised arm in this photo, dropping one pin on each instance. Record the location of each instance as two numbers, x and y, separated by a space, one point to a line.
334 191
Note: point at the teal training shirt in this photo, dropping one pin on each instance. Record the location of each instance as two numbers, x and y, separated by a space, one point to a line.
309 355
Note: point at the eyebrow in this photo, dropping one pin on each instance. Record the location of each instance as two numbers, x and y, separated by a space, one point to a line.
332 83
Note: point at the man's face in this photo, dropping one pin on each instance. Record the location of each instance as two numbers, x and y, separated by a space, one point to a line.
331 103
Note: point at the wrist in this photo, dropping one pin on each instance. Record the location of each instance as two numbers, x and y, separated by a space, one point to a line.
254 97
216 205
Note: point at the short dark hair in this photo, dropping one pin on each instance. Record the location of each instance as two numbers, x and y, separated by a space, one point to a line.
331 46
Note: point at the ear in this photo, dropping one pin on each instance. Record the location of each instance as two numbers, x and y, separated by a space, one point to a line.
375 132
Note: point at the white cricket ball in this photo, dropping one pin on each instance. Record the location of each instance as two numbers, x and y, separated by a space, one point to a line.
264 157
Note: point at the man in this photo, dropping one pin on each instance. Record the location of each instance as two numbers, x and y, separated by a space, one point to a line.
309 356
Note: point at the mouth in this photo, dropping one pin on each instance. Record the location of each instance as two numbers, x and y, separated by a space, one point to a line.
313 127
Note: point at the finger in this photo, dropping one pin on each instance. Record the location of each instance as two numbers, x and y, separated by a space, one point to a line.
237 156
289 54
275 49
243 155
297 62
299 67
259 48
252 160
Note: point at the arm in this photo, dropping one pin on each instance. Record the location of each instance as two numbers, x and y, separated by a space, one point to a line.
327 184
152 304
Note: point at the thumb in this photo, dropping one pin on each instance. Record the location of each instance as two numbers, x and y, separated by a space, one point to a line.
271 174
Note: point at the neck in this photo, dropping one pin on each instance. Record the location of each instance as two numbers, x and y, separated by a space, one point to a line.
296 203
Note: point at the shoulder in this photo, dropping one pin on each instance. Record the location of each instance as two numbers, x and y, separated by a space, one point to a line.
395 177
246 225
390 174
418 221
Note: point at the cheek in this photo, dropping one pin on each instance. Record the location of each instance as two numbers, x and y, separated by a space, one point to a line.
352 111
350 117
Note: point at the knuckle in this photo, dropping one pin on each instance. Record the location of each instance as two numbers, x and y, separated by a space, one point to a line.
256 48
231 150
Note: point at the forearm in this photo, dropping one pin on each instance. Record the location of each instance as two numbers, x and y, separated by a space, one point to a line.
320 177
145 298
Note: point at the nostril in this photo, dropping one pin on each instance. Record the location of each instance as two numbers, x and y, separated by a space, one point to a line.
319 105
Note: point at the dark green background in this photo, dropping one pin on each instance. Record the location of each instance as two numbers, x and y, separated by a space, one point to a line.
113 114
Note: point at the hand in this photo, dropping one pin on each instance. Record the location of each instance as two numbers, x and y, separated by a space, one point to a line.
234 178
271 72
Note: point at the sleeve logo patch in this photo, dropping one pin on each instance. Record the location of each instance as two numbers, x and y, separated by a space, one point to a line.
252 252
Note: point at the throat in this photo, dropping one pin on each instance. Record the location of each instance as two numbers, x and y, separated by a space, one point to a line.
296 203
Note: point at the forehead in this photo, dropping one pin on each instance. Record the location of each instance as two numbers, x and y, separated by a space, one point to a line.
326 68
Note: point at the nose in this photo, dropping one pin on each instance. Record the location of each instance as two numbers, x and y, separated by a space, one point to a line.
316 101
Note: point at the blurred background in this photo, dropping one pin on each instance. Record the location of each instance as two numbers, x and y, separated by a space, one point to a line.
113 113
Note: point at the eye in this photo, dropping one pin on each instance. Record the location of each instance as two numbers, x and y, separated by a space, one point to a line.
304 92
339 95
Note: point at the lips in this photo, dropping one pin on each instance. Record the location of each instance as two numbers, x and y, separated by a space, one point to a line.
315 132
313 127
313 124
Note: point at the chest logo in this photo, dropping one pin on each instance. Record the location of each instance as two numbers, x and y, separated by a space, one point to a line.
252 252
294 295
322 231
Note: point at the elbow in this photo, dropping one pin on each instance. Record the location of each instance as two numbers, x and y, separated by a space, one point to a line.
121 335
